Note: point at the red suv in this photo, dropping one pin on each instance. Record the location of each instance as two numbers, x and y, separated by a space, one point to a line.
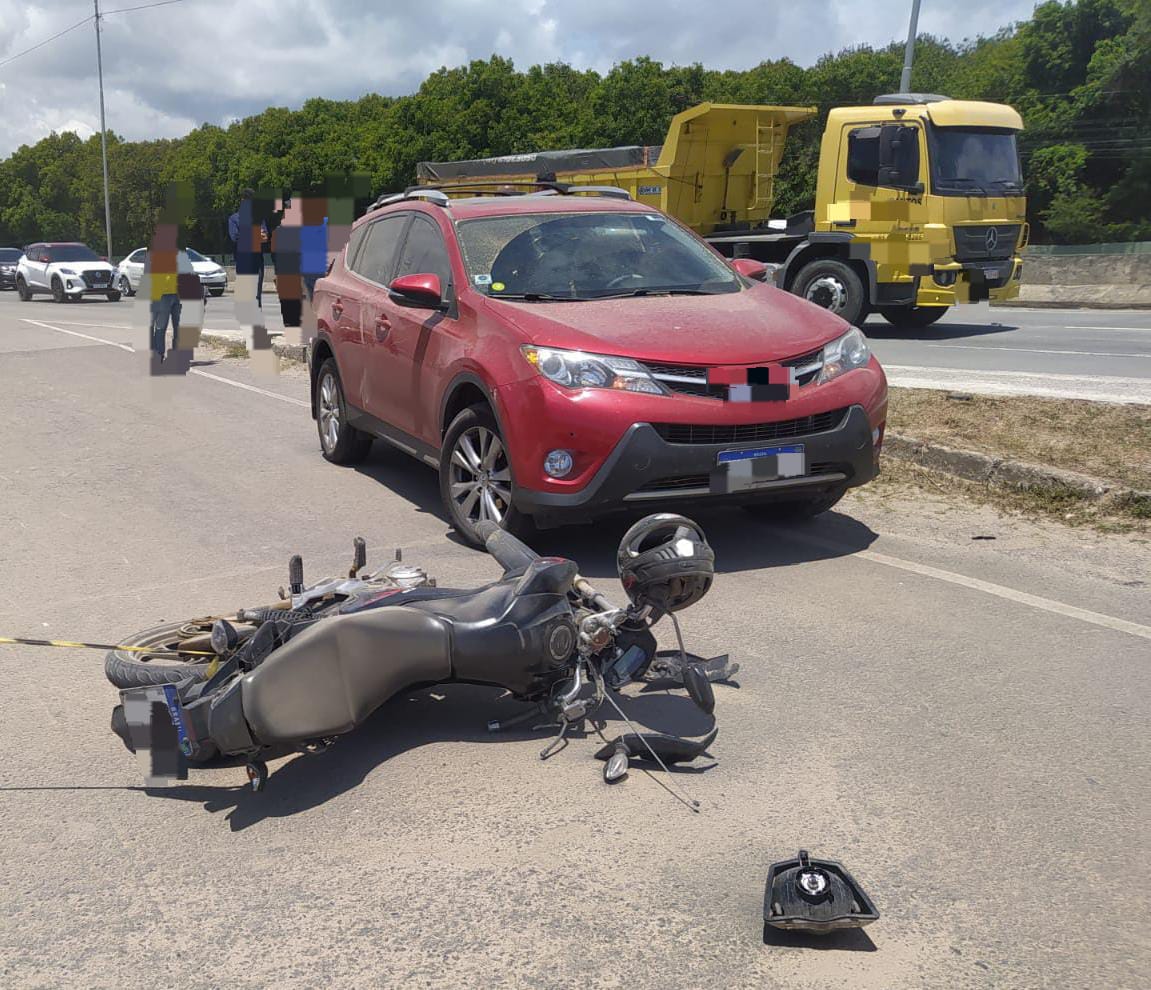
557 356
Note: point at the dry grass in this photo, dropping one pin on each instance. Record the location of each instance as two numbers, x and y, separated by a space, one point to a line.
1112 442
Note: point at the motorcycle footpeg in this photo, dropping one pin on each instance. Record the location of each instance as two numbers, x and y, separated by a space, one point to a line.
814 895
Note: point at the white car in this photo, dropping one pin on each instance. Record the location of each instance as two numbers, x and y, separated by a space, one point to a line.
212 276
66 271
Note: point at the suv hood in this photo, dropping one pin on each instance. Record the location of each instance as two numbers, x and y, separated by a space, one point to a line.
759 324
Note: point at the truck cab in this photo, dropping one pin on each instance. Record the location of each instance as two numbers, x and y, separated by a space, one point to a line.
922 197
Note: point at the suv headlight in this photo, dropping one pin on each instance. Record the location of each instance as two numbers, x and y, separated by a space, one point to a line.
844 354
67 271
577 369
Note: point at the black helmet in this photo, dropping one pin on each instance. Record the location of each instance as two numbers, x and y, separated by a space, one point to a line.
664 561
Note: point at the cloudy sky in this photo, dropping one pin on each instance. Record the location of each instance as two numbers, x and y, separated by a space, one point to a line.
173 67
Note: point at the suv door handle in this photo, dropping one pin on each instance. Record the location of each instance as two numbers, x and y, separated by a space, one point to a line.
383 326
337 308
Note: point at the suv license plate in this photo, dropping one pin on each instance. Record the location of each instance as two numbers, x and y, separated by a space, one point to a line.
745 470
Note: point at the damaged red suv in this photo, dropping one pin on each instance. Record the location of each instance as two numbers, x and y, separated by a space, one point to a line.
560 356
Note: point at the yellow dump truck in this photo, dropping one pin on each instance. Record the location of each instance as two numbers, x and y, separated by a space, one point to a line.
919 204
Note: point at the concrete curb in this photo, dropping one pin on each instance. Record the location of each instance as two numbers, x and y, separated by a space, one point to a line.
1000 472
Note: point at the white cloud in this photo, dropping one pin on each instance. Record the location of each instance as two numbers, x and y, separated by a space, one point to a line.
171 68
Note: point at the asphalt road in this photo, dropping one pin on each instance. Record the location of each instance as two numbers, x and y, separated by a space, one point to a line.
1081 354
954 704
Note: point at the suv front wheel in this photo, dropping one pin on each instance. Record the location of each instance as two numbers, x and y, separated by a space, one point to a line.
22 289
475 476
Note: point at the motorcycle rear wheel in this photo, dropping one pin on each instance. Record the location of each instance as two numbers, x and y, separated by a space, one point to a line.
127 669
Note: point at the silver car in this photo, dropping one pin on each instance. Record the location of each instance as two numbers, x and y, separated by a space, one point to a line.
130 270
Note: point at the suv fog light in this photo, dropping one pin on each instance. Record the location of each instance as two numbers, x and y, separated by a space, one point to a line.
69 284
558 463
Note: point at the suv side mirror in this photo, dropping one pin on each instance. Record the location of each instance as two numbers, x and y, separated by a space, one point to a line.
750 268
421 291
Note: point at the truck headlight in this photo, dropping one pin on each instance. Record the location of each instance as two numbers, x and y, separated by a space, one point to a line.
577 369
844 354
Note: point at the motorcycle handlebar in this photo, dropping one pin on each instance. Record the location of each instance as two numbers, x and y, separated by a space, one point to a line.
510 553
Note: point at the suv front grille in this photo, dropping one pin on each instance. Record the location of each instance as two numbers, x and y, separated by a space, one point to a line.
691 379
97 277
689 433
971 243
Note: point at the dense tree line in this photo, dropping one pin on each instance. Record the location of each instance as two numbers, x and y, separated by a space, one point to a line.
1078 71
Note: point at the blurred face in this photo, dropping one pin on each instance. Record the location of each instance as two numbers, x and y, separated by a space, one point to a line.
293 214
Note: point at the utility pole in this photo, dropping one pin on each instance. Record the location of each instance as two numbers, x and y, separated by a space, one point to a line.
909 52
104 131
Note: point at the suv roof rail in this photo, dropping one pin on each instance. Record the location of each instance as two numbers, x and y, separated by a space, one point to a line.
415 192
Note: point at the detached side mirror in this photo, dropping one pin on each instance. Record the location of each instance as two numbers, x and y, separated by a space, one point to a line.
750 268
417 291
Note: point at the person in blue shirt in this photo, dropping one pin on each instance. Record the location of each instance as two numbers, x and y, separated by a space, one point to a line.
249 253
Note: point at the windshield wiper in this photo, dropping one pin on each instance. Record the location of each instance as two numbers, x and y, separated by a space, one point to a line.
1009 183
657 292
535 297
970 182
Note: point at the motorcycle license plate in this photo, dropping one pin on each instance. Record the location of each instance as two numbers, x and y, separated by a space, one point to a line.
746 470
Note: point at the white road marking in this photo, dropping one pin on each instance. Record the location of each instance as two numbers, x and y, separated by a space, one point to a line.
76 333
192 371
1144 329
251 388
1034 350
987 587
1094 388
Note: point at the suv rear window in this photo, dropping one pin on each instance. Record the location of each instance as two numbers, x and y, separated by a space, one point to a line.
583 256
72 252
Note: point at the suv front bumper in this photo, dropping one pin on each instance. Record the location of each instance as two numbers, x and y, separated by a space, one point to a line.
644 468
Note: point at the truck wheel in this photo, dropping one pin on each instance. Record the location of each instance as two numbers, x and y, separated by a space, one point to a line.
912 317
834 286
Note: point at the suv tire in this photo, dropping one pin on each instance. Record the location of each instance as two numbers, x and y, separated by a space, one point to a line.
22 290
58 290
835 286
114 296
340 442
796 510
475 476
125 286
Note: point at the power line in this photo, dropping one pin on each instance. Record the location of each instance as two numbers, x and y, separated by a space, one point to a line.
86 20
28 51
143 6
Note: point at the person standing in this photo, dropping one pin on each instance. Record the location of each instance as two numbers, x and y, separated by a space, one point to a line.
249 235
164 266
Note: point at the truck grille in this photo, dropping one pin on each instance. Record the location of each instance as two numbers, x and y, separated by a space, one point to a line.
978 243
691 379
688 433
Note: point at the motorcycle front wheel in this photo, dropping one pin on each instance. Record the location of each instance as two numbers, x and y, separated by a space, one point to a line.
129 669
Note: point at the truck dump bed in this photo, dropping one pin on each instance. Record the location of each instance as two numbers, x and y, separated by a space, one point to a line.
716 169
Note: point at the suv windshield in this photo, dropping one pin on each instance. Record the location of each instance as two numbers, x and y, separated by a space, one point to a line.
582 256
974 161
10 254
72 252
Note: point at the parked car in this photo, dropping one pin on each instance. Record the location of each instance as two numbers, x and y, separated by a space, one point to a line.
65 270
212 276
9 260
558 357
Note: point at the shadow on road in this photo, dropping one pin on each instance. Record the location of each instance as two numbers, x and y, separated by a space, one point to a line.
446 713
882 330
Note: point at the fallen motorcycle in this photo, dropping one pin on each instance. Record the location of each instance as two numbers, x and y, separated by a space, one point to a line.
315 665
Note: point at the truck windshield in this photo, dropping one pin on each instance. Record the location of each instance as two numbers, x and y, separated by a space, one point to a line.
970 161
583 256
